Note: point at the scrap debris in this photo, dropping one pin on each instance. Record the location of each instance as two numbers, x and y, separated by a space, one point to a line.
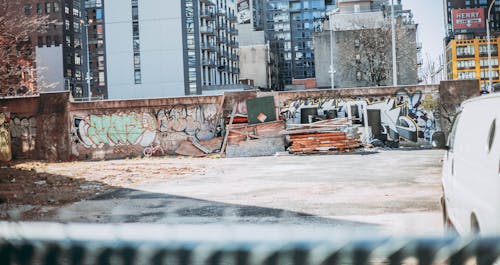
327 136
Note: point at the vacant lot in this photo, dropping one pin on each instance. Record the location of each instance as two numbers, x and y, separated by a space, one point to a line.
389 191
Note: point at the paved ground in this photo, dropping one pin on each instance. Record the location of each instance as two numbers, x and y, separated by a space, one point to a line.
389 191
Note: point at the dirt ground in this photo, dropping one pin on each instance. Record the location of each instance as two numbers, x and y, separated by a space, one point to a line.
31 191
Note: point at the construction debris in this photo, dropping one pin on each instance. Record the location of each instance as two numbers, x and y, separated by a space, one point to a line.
326 136
255 139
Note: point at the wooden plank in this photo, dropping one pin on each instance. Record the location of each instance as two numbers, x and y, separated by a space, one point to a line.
224 142
197 144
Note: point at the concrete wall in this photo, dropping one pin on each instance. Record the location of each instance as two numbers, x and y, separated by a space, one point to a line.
409 114
117 129
50 127
161 58
253 64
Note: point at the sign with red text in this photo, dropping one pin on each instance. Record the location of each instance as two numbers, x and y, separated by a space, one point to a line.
470 19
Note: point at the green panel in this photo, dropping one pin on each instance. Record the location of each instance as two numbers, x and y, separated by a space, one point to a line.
261 108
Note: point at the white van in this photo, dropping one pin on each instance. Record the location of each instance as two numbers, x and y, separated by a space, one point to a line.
471 169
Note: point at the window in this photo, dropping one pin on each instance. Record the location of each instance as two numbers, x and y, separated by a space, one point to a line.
39 8
57 40
47 7
451 137
55 7
48 41
135 42
98 14
27 9
358 76
40 41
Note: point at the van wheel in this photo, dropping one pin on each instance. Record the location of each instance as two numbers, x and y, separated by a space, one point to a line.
448 227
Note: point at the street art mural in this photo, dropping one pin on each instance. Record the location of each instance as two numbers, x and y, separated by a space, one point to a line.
134 132
404 116
5 148
197 120
98 131
23 133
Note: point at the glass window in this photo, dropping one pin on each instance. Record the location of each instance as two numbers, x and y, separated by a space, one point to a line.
55 7
98 13
39 8
47 7
48 41
27 9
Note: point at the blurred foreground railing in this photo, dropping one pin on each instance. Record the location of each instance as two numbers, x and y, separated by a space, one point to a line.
49 243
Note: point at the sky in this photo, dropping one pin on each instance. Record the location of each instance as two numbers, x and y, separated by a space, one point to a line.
428 14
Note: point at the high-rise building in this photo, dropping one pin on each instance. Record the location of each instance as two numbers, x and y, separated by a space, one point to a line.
159 48
354 47
289 26
94 23
58 48
466 40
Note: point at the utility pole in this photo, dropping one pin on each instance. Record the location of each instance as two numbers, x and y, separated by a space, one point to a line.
86 24
394 63
332 71
488 37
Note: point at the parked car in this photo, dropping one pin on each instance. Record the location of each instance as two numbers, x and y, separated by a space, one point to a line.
471 169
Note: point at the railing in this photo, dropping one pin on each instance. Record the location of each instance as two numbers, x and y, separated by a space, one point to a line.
206 30
48 243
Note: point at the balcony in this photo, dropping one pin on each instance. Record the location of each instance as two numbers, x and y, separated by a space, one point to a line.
206 30
208 62
207 15
207 47
232 18
236 70
234 57
221 39
223 68
234 44
221 11
234 31
208 2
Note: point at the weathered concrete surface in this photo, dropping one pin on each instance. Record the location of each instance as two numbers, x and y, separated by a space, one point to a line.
389 191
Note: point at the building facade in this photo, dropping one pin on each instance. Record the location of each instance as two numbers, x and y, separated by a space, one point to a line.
466 42
59 47
169 48
97 60
355 44
289 27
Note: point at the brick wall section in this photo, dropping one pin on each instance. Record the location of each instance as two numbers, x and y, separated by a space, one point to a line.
452 94
50 127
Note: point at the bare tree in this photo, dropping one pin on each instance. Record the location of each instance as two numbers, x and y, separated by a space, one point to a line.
364 55
430 69
17 24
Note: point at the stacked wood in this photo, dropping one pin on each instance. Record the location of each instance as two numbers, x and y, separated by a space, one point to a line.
327 136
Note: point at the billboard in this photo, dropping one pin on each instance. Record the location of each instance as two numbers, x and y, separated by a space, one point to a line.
467 20
244 12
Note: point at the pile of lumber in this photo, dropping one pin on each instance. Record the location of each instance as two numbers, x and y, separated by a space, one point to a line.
327 136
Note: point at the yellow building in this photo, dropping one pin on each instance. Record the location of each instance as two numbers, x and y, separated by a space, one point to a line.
468 59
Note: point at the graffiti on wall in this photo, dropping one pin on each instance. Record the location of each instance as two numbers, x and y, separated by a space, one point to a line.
198 121
131 132
404 116
5 148
97 131
23 133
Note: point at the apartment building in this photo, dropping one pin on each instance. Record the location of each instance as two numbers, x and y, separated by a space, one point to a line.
289 27
161 48
58 46
466 44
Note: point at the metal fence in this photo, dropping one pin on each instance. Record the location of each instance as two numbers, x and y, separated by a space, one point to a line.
49 243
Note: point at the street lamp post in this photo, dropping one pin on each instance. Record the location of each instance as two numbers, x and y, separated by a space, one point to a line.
87 76
488 37
332 71
394 63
